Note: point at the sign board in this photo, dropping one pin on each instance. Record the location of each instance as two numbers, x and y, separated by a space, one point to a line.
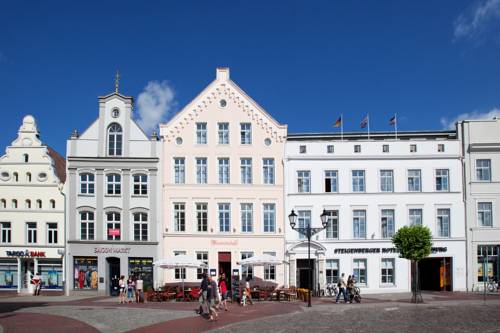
236 271
26 253
213 272
113 232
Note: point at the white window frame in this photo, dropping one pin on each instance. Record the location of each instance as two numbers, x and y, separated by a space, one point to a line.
359 224
201 133
224 217
385 271
86 183
268 171
52 233
179 216
246 270
356 261
482 170
303 220
419 178
246 217
224 170
483 213
142 223
439 229
31 233
179 170
203 257
332 227
387 181
201 170
246 133
140 184
201 211
223 133
358 181
410 216
270 270
246 170
389 215
333 175
87 223
114 224
444 175
179 273
5 232
115 140
304 181
116 185
269 217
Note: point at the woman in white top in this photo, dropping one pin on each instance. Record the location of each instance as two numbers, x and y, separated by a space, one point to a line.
122 283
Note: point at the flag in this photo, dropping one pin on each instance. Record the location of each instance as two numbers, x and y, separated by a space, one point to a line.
364 122
393 120
338 122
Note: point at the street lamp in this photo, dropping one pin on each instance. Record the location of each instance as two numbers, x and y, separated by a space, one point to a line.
308 232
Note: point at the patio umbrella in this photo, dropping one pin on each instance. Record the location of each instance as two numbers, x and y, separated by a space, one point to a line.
261 260
180 261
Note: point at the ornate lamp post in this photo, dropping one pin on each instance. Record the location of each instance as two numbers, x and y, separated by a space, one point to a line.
308 232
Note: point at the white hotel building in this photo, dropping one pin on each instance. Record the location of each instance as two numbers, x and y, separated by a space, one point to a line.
370 188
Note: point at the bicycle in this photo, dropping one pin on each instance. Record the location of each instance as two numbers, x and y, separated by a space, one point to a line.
331 290
492 285
356 295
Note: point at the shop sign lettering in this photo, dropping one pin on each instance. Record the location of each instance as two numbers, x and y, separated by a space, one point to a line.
112 250
380 250
26 253
225 243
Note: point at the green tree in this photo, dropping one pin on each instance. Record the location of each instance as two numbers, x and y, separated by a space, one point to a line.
414 243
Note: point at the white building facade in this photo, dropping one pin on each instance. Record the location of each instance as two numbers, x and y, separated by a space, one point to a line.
481 152
113 193
370 188
223 184
31 213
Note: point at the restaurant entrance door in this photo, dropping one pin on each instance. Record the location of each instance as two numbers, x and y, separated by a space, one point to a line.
225 267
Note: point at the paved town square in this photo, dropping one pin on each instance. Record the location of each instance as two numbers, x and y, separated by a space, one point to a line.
451 312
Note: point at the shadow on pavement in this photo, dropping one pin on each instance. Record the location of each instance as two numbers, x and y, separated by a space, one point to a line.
11 307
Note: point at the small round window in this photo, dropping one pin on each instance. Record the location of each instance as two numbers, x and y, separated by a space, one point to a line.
267 142
42 176
223 103
178 141
115 113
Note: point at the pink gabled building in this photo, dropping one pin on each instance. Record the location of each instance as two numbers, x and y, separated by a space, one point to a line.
223 183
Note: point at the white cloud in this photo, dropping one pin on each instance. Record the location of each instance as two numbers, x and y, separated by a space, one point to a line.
478 19
450 123
155 103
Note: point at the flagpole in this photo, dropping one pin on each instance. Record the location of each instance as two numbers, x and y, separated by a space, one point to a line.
368 118
341 127
396 124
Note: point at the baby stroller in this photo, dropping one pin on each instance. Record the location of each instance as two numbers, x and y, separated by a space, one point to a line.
355 295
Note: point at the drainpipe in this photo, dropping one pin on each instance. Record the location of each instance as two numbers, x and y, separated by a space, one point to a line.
464 200
65 254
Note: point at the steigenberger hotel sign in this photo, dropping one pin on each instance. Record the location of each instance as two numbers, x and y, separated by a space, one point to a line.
375 250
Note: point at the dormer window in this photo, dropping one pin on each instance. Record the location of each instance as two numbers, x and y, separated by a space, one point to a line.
115 138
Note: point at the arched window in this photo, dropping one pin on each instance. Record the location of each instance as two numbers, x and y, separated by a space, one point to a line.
3 203
115 136
28 204
16 176
52 204
26 158
113 226
28 177
39 204
14 203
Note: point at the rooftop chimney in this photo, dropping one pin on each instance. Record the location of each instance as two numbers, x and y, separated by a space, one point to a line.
222 73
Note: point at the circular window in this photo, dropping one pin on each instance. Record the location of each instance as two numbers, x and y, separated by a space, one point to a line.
4 175
223 103
178 141
42 176
267 142
115 113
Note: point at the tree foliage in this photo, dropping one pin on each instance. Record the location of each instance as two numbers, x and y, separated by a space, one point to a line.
413 242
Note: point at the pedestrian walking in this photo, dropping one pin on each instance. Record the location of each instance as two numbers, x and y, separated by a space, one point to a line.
130 289
122 284
342 284
139 288
248 292
37 282
211 297
223 292
202 298
350 287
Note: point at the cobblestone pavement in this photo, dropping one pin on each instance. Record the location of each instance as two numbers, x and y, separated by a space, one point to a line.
443 312
446 316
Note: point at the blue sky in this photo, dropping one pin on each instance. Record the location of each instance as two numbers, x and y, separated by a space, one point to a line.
305 62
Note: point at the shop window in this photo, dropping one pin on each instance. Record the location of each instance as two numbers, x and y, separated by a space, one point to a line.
487 262
143 268
85 272
51 274
332 271
8 274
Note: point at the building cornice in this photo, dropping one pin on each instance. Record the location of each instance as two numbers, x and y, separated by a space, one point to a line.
115 243
332 157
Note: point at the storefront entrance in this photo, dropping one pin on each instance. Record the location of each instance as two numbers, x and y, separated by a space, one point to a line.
225 267
304 275
113 275
436 274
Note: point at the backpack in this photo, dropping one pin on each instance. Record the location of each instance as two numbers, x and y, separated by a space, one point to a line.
339 284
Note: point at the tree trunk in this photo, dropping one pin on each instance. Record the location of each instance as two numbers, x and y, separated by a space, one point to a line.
416 294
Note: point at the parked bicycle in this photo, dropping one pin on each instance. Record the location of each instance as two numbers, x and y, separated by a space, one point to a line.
331 290
356 295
